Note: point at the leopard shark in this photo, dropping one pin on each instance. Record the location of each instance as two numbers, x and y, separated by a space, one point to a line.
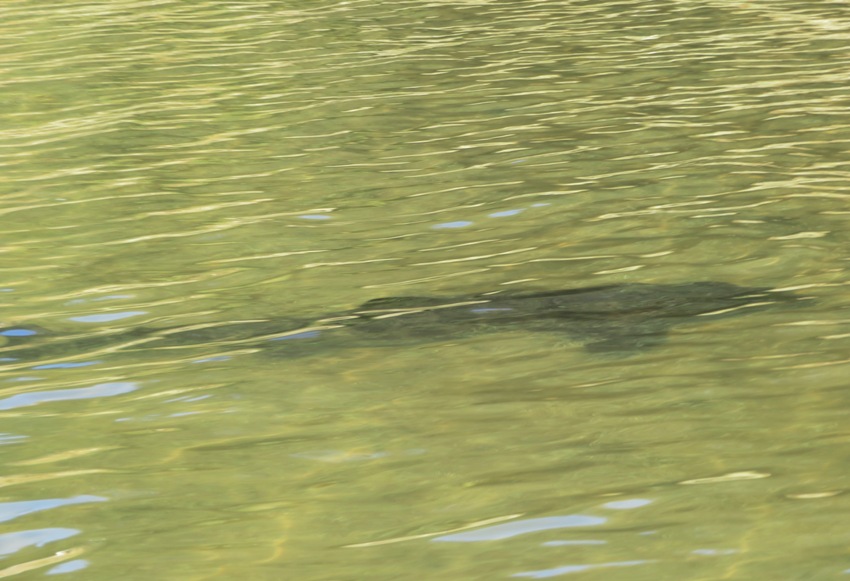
618 319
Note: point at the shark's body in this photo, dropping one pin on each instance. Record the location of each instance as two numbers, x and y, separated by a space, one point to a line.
618 319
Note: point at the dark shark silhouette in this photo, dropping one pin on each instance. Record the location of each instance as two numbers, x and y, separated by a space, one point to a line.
621 318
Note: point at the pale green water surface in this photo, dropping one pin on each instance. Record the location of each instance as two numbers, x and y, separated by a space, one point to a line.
168 163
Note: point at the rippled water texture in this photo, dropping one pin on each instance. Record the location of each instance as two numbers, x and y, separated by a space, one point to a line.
170 164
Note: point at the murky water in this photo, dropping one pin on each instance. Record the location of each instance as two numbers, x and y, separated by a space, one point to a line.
172 164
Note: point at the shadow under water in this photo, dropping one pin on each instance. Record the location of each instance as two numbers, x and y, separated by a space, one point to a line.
616 319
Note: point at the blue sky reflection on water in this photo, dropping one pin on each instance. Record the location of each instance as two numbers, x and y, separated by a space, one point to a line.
537 525
15 541
36 397
521 527
12 510
18 332
533 525
65 365
68 567
107 317
564 570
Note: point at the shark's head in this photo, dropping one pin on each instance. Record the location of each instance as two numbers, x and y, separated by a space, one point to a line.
709 298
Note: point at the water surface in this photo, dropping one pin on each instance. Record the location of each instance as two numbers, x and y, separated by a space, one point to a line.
171 164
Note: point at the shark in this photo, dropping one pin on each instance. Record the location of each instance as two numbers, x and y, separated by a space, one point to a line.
617 319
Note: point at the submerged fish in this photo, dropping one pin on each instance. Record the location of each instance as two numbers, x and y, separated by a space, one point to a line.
624 317
619 318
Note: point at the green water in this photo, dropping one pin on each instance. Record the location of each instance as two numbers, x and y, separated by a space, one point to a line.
171 163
